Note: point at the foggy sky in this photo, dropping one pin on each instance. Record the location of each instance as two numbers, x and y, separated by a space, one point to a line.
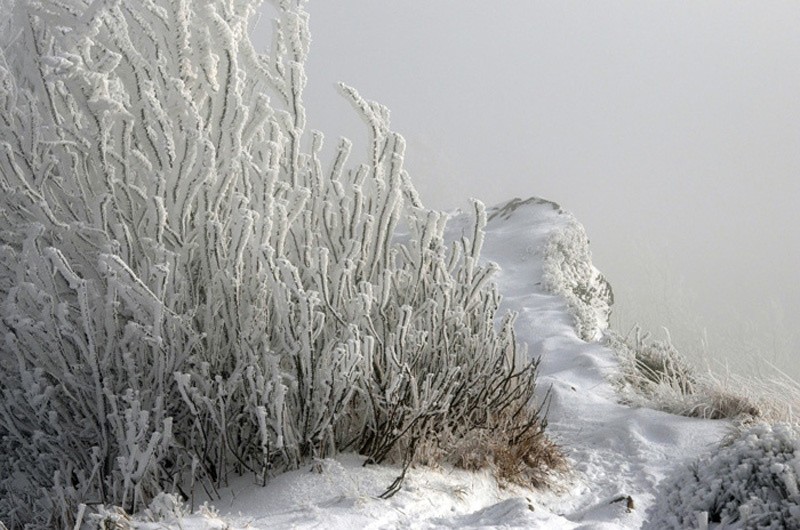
670 129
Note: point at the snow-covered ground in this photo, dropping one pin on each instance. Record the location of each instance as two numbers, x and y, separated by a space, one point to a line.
618 454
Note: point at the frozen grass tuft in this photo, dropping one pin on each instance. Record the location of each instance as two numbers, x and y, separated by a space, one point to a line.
653 373
525 458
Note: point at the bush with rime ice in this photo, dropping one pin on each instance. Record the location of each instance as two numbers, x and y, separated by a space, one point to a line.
568 271
750 481
187 291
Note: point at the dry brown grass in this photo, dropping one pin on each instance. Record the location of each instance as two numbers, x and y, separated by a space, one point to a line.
528 459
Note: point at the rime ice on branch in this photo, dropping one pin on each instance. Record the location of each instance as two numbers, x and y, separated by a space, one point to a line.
187 291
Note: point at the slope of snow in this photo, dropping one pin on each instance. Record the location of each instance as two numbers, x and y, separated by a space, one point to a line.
618 454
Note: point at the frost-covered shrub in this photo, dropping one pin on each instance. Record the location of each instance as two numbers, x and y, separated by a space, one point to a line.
568 271
750 481
186 292
653 373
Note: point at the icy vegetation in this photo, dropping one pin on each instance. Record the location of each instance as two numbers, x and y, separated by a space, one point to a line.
188 294
205 325
655 374
568 271
750 481
619 455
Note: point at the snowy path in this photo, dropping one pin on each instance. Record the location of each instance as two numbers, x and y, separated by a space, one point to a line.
616 451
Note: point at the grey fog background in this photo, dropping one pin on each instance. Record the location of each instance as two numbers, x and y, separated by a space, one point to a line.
670 129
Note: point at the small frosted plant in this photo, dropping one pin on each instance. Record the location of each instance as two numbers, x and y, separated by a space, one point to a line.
750 481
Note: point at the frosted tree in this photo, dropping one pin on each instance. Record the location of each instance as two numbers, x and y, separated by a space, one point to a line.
186 291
